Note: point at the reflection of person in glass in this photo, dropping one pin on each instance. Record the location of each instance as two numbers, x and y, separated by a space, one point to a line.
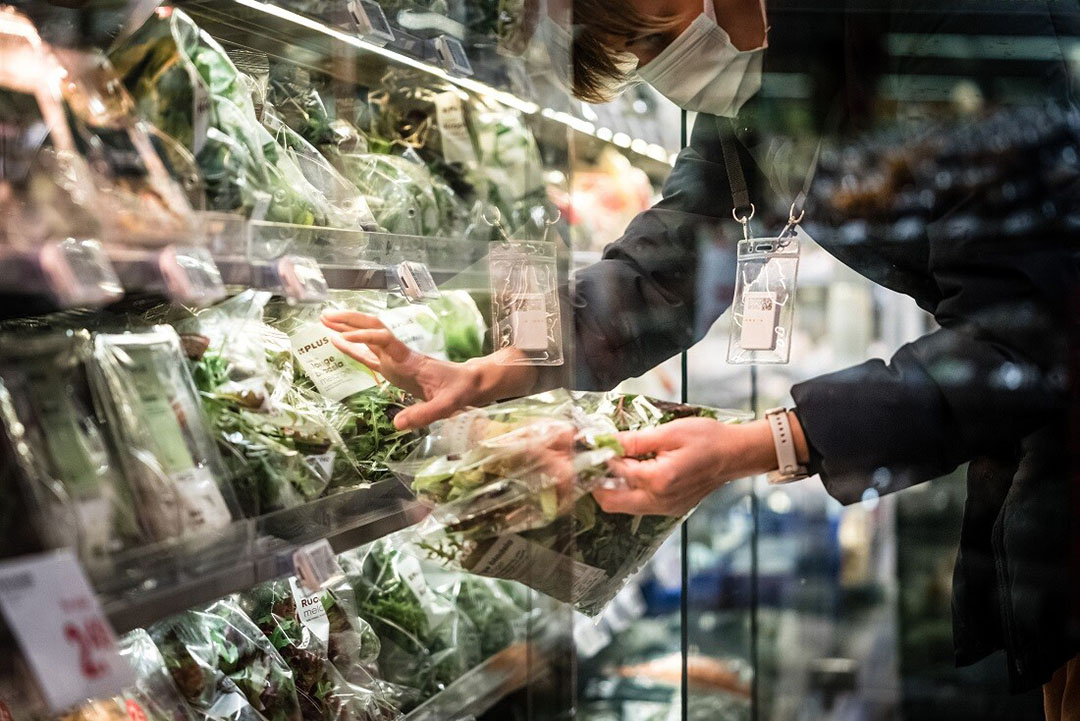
987 387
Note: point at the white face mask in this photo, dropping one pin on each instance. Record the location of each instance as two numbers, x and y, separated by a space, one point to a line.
703 72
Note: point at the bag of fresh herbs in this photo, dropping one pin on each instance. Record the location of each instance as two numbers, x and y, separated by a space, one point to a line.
426 643
64 463
574 552
186 85
280 442
154 694
166 449
225 667
298 624
486 602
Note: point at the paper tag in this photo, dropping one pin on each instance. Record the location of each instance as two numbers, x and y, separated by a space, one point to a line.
58 623
417 327
316 566
759 319
201 500
322 463
462 432
134 710
514 558
528 330
310 609
457 144
335 374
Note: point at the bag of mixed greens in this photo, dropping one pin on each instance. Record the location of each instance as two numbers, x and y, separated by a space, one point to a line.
137 195
225 667
500 621
298 624
462 324
425 642
166 450
154 696
184 83
281 443
68 467
584 556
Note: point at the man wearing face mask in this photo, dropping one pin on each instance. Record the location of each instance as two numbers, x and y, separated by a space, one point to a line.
1003 303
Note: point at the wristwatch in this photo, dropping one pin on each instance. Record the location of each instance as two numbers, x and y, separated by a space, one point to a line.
787 460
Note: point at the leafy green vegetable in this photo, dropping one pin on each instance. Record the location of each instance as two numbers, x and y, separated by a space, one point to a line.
462 324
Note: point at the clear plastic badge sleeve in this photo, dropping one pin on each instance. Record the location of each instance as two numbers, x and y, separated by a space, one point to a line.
525 302
763 309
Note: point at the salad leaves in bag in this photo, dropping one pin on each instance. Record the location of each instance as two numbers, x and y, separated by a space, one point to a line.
225 667
425 642
154 694
281 442
298 625
574 552
462 324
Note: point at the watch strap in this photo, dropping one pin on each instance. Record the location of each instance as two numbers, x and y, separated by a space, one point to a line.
788 466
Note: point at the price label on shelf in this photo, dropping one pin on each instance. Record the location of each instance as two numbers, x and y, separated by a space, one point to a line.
61 629
316 566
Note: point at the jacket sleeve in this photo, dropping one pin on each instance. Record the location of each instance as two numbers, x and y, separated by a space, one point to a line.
637 306
994 372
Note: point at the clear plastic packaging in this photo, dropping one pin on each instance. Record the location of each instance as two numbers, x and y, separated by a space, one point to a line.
575 552
225 667
525 301
166 449
280 442
426 643
462 324
500 621
138 200
297 624
763 309
69 468
155 695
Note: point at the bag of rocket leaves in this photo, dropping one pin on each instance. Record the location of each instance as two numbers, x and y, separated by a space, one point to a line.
167 452
426 643
369 405
68 467
575 553
281 442
298 625
225 667
185 84
154 692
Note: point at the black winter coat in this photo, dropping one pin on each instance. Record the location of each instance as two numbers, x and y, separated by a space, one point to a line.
989 386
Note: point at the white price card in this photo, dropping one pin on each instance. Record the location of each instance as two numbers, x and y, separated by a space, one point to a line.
316 566
58 622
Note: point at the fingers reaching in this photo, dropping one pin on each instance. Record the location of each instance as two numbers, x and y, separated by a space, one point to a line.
346 320
425 413
358 352
645 442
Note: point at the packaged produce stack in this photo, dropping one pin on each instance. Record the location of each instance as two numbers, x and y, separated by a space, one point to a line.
177 420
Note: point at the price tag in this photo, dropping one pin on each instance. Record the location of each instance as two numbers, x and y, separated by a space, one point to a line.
316 566
415 281
452 55
191 276
58 623
79 273
302 279
371 22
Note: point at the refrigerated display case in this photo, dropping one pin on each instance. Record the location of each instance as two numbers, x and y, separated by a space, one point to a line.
186 187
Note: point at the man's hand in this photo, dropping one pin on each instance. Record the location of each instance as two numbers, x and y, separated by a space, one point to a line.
669 469
443 387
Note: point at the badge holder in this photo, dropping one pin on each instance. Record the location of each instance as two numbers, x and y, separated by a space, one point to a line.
763 309
525 298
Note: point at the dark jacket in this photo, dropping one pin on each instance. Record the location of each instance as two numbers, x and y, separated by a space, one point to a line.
988 387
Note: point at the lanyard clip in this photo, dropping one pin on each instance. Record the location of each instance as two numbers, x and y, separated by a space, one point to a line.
793 220
744 220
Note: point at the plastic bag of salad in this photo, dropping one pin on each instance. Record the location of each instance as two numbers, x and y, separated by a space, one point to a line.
298 624
154 696
425 642
280 442
64 461
225 667
576 552
166 449
186 85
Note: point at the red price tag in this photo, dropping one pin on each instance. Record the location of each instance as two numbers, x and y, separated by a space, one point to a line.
5 715
58 623
134 711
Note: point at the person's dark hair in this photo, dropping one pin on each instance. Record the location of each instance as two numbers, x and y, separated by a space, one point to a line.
597 76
